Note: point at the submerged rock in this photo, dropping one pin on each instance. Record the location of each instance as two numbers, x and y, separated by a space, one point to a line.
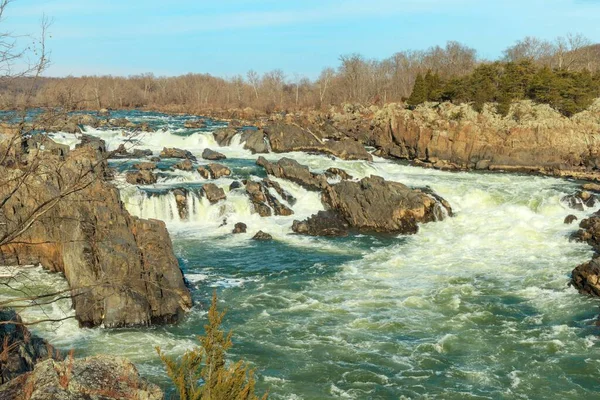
92 378
212 155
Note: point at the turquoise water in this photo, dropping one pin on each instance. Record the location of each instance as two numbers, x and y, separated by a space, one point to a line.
473 307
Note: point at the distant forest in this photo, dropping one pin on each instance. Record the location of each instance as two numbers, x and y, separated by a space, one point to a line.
564 73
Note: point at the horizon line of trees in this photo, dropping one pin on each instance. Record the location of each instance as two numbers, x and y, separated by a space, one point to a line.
357 79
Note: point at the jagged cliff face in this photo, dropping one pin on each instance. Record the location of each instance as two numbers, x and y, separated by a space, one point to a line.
121 269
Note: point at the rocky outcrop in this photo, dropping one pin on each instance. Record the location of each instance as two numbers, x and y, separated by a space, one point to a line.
21 349
284 137
172 152
91 378
586 277
142 177
377 205
121 269
324 223
212 155
292 170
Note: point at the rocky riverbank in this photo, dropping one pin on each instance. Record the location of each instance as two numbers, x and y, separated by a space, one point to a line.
59 210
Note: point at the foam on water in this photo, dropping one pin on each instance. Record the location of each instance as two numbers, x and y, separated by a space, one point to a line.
475 306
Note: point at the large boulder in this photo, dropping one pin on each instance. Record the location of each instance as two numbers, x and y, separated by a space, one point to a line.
262 236
213 193
92 378
218 170
377 205
121 269
586 277
173 152
212 155
292 170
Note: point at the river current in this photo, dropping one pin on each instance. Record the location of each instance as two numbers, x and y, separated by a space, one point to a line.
473 307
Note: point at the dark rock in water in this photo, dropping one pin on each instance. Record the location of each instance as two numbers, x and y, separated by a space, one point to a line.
218 170
260 235
155 159
589 231
255 141
377 205
185 165
213 193
204 172
121 269
235 185
240 227
145 166
172 152
137 153
223 136
212 155
181 195
21 349
92 378
143 177
569 219
586 277
580 200
194 124
291 170
324 223
337 172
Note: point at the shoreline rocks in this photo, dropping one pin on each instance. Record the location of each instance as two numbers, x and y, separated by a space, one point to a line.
121 269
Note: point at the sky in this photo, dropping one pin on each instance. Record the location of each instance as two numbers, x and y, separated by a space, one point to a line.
230 37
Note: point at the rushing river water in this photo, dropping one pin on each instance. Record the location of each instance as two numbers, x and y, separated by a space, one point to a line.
474 307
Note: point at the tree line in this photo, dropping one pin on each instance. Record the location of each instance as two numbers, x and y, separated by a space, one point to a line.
457 70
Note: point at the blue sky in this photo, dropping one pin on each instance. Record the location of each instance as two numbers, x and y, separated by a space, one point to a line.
229 37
